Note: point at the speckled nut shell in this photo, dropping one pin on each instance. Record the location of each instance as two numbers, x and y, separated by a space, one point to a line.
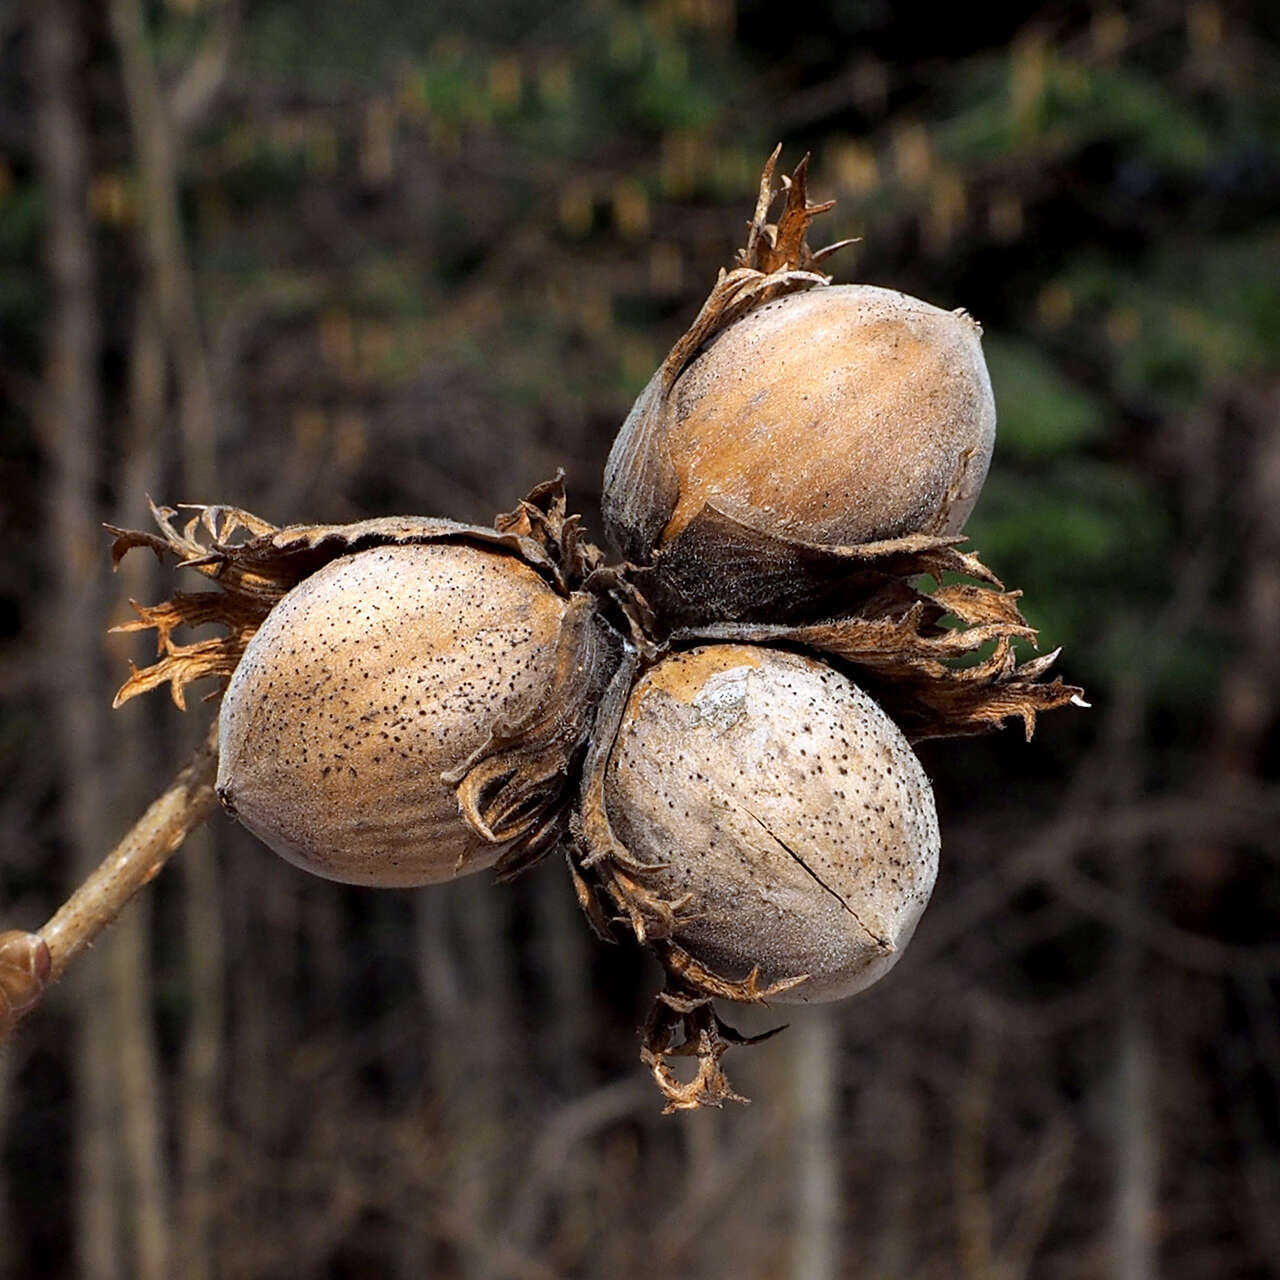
787 811
374 676
838 415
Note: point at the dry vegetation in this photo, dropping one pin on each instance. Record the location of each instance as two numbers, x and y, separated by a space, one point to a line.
329 270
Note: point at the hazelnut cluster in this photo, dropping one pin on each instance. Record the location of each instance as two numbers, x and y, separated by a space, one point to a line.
716 729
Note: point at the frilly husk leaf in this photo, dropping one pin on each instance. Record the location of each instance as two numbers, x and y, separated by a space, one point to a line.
682 969
540 518
182 664
591 827
718 569
255 563
782 246
682 1026
640 484
901 654
515 788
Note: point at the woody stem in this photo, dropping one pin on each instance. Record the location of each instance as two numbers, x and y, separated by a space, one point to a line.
135 861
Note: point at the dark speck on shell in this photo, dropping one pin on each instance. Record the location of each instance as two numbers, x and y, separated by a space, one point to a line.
725 771
370 679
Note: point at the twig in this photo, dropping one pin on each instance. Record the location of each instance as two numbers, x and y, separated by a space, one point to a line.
1042 1183
202 79
42 958
551 1154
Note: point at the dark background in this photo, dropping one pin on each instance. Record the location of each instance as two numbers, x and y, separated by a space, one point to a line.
332 260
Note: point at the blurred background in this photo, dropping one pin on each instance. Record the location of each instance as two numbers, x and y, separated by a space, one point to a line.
332 260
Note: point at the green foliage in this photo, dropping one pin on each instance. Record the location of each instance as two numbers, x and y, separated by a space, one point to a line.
1125 106
1034 100
1080 537
329 44
1202 315
22 284
1042 413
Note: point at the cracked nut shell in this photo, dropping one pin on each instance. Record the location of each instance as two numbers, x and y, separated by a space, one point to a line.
370 679
784 807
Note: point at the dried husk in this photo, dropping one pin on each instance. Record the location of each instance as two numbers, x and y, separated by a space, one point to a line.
641 487
379 727
940 662
937 654
783 809
512 790
794 421
764 828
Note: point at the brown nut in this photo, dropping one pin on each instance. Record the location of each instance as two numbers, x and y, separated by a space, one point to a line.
794 827
839 415
376 675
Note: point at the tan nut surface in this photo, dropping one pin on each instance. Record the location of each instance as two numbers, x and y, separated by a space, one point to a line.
370 679
786 805
839 415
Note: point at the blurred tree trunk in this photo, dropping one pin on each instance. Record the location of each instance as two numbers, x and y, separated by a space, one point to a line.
141 1128
974 1225
169 335
1133 1129
1235 761
168 274
69 424
199 1117
816 1214
898 1117
466 988
1247 701
488 1033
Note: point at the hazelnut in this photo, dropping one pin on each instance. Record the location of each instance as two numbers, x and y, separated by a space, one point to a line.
371 679
838 415
783 812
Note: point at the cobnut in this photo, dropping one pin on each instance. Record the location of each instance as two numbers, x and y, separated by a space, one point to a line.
372 678
839 415
785 811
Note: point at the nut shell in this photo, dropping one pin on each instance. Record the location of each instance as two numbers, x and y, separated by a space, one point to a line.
374 676
839 415
785 807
